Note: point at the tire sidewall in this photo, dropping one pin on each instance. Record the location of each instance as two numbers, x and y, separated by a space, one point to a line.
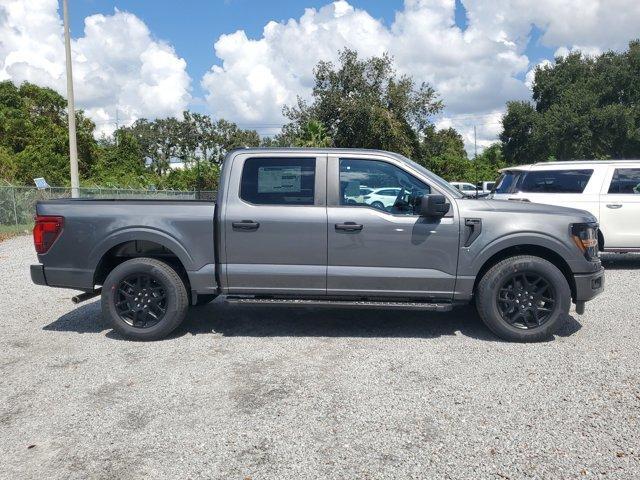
176 309
495 278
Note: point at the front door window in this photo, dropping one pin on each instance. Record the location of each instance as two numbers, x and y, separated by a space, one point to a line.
380 185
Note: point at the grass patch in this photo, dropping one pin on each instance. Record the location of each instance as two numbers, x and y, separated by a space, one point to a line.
8 231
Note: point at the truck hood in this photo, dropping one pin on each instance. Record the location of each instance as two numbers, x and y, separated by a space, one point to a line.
516 207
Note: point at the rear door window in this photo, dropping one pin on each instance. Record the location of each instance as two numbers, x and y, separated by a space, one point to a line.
278 181
625 181
556 181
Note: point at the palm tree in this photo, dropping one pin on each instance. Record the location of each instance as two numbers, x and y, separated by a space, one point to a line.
314 134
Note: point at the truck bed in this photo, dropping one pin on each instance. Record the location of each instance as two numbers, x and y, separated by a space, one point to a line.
94 228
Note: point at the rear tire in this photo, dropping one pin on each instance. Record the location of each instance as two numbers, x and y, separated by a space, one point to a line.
144 299
523 299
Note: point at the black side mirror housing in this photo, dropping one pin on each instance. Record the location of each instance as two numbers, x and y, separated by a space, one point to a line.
434 206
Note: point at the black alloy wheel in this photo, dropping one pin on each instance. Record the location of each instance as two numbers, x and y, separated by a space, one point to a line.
141 300
526 300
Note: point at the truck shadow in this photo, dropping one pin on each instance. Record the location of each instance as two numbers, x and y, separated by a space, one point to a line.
274 321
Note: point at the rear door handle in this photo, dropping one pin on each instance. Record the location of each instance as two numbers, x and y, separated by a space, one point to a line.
614 205
246 225
518 199
349 226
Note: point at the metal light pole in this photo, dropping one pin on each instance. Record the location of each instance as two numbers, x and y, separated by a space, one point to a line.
475 156
73 147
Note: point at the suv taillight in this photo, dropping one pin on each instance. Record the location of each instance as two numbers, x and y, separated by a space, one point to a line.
46 230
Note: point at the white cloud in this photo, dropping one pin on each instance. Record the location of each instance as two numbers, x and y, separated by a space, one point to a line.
117 64
475 71
531 74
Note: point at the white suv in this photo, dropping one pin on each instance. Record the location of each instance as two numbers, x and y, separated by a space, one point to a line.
609 189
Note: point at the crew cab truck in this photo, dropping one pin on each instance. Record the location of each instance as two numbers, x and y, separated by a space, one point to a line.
288 227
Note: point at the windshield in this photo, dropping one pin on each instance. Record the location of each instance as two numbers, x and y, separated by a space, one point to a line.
507 181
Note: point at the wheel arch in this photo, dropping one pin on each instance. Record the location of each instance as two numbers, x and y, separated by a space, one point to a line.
125 245
529 249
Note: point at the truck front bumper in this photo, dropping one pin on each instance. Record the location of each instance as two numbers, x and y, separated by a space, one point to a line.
588 285
37 274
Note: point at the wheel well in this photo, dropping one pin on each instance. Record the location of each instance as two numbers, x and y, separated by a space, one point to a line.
536 251
135 249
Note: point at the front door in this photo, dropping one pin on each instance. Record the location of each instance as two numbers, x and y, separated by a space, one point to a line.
620 208
379 248
275 226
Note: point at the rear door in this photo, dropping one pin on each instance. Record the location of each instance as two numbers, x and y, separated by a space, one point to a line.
386 251
620 208
275 225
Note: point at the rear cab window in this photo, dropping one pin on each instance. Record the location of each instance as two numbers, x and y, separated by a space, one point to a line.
278 181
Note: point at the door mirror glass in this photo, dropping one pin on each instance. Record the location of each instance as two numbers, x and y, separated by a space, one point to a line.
434 206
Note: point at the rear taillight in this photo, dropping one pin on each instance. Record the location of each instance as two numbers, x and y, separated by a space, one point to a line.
46 230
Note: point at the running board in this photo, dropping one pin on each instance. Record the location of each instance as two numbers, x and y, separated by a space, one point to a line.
434 307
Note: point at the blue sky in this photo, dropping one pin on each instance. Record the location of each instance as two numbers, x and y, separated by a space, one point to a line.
195 25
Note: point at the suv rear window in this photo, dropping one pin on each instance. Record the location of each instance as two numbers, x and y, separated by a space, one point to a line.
555 181
626 181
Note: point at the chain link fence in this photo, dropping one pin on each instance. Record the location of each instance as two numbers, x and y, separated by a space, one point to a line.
18 204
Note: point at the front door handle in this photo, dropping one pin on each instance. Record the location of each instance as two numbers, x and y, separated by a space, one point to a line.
614 205
349 226
246 225
517 199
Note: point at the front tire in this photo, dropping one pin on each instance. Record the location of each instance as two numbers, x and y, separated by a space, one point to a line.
523 298
144 299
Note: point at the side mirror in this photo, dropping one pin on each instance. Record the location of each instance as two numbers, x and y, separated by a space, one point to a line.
434 206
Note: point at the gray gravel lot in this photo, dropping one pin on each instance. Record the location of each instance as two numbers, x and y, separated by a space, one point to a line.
282 393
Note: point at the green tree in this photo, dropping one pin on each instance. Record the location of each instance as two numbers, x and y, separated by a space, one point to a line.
442 151
313 134
121 164
363 103
33 127
583 107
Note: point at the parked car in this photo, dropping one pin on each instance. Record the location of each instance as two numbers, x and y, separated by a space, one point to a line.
485 188
355 193
382 198
468 189
283 231
609 190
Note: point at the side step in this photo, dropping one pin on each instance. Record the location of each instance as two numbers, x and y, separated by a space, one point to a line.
434 307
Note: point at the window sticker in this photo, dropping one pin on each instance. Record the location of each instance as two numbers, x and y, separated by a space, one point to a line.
278 179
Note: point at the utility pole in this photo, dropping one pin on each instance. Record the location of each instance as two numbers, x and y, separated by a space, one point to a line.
73 146
475 157
117 127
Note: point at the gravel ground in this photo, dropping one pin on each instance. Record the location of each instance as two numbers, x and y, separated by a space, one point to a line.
241 392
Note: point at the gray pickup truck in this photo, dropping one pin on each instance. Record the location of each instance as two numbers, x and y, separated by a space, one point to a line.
353 228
